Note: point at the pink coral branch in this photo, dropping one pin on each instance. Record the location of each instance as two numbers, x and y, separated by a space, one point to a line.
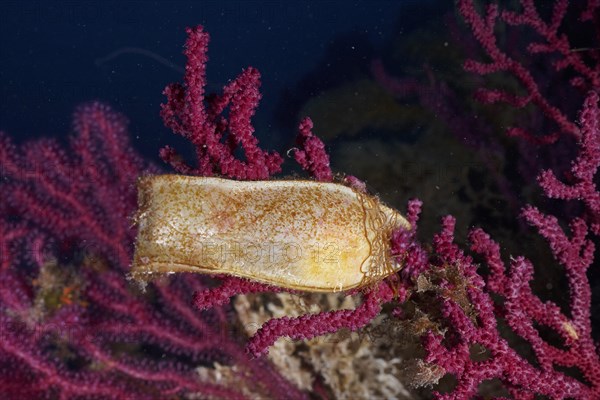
483 27
83 200
67 195
405 247
229 287
197 117
524 312
519 376
184 112
10 233
583 169
312 156
312 325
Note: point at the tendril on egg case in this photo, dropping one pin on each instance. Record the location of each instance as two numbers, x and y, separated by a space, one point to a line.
295 234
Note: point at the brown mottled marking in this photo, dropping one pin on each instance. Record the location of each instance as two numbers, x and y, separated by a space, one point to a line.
301 235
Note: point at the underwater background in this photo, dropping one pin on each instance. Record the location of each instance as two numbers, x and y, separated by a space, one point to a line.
384 84
59 54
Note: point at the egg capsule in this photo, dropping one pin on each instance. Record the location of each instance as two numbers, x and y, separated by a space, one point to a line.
296 234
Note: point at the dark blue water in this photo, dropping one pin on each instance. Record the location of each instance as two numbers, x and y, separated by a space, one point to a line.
54 56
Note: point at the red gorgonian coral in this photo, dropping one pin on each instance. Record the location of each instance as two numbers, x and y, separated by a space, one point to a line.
468 312
475 323
70 317
72 327
199 118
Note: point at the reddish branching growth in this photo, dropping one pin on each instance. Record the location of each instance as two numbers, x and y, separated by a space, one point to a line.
11 235
230 286
85 193
405 247
72 327
585 70
524 312
199 118
313 325
185 114
312 156
583 169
